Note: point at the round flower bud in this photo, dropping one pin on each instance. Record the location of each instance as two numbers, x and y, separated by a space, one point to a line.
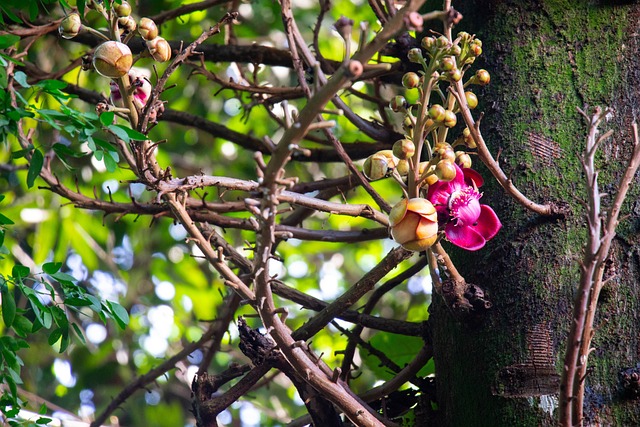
428 124
355 69
437 113
404 149
463 159
455 50
112 59
448 63
483 77
477 42
464 36
450 119
454 75
147 29
414 224
444 151
122 9
411 80
377 165
70 26
428 43
159 48
468 139
413 21
403 167
445 171
398 103
475 49
472 99
415 55
442 42
127 23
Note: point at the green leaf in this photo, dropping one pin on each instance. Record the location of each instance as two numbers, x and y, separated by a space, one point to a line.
21 78
37 161
120 133
8 40
5 221
8 306
111 161
77 302
81 6
133 134
20 271
107 117
64 278
43 421
22 326
54 336
51 267
51 85
119 314
79 333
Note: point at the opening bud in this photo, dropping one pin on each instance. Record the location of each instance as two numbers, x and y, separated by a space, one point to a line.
414 224
378 165
127 23
70 26
444 151
448 63
159 48
404 149
428 43
112 59
468 139
147 29
454 75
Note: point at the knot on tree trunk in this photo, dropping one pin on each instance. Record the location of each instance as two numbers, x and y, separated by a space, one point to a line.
467 301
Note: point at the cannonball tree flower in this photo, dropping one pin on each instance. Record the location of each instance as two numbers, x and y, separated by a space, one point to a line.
141 88
414 224
467 223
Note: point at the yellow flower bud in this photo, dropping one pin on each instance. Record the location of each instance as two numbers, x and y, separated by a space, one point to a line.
159 48
70 26
450 119
112 59
463 159
404 149
147 29
414 224
445 171
378 165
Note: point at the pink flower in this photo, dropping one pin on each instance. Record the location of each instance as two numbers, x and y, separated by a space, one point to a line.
139 79
468 224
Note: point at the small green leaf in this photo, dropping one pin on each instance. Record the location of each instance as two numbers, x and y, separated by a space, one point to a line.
51 267
54 336
8 40
8 306
79 333
4 220
107 117
21 78
133 134
119 314
77 302
43 420
64 278
111 161
20 271
120 133
22 326
37 161
52 85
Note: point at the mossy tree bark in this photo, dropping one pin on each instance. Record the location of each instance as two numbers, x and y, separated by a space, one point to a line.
503 368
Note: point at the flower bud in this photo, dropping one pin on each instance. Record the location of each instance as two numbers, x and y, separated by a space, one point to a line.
147 29
414 224
445 171
413 21
407 123
428 43
475 50
455 50
454 75
437 113
411 80
444 151
404 149
70 26
483 77
450 119
355 69
377 165
430 177
468 139
415 55
448 63
159 48
127 23
398 103
344 26
122 9
464 36
472 99
463 159
442 42
403 167
112 59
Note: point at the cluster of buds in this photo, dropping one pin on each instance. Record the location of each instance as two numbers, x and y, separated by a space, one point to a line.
113 58
441 190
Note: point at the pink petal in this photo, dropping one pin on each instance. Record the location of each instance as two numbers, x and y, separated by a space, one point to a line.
464 237
472 178
488 223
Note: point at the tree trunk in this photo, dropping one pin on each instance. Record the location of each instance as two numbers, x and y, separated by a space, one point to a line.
503 367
